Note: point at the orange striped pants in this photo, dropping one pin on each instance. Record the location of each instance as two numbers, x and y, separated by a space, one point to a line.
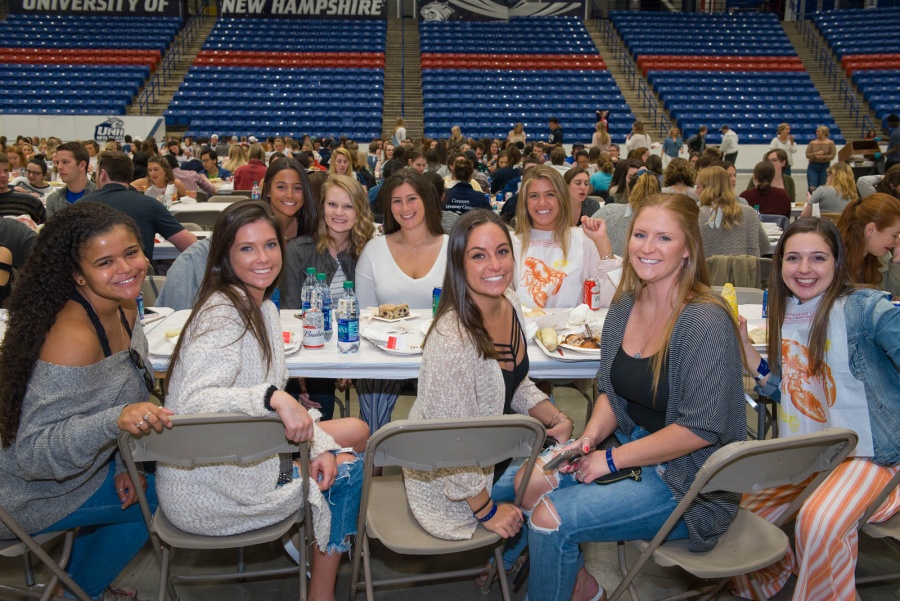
825 531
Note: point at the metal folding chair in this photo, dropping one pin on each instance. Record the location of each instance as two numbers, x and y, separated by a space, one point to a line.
384 512
204 439
751 543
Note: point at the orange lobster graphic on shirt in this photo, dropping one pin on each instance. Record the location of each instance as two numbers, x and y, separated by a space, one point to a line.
807 393
542 280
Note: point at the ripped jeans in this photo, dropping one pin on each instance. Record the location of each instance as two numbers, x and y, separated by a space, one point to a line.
624 510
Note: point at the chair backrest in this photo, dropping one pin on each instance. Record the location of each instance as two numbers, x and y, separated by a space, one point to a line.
204 219
224 198
763 270
151 286
780 220
206 438
745 296
202 196
751 466
876 503
447 443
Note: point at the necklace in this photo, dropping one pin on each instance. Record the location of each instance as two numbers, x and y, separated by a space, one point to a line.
638 355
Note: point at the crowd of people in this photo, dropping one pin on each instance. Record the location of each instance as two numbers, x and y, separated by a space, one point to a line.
503 226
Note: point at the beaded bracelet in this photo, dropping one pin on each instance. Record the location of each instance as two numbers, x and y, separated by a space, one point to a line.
489 515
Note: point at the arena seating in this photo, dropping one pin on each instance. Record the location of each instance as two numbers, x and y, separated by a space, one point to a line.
868 46
738 70
485 76
247 81
52 59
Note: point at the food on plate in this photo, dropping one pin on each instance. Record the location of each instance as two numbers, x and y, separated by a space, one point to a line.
582 341
759 335
536 312
393 311
173 333
730 295
549 338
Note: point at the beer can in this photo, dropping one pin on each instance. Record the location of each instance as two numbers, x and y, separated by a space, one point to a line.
313 329
435 299
591 293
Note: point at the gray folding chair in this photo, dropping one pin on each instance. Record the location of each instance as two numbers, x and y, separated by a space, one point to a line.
204 439
225 198
780 220
751 543
25 545
151 286
745 296
204 219
888 529
384 512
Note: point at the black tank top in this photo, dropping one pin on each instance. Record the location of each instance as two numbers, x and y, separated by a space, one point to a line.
95 320
513 373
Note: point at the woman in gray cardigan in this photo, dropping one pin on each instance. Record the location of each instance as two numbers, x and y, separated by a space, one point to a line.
671 390
73 370
345 226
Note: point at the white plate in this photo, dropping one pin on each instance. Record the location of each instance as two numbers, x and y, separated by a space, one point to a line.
757 323
386 320
424 327
290 349
578 349
570 358
399 351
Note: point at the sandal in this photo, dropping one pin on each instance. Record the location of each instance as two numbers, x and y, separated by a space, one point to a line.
124 593
511 574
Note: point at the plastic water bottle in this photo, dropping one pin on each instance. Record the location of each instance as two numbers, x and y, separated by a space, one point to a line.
140 304
348 320
765 307
169 195
309 284
254 193
324 303
276 298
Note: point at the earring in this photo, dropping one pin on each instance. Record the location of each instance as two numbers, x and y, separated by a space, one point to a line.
80 281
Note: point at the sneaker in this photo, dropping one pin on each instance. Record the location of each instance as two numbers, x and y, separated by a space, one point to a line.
123 593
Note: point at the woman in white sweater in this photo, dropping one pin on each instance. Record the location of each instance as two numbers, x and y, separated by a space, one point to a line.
638 138
402 267
230 358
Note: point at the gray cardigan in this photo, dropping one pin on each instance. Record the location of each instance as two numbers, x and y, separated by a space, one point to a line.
67 436
301 252
706 396
618 219
746 238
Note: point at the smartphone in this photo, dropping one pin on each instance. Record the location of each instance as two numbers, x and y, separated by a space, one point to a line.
150 313
564 457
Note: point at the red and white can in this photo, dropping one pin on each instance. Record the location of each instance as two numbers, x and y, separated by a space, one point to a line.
313 329
591 293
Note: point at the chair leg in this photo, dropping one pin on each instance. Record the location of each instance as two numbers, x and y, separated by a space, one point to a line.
627 576
367 571
29 569
354 566
304 558
498 565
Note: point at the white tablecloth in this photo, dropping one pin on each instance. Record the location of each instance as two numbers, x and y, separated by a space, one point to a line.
200 207
369 361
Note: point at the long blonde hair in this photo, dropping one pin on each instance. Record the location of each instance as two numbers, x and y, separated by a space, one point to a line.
718 194
332 164
843 181
693 279
524 223
237 157
364 228
399 124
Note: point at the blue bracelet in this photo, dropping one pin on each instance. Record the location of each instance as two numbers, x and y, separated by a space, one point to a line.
489 515
762 371
609 461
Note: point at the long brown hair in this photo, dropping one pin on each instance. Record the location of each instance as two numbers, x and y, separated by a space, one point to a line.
219 277
307 217
882 210
426 192
779 293
455 293
693 279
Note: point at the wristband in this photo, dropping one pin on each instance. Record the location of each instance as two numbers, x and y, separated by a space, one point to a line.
609 461
762 371
489 515
267 399
8 267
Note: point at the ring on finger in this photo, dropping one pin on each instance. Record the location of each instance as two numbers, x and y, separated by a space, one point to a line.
146 417
140 423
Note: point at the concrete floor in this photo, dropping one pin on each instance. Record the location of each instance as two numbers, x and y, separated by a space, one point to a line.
143 573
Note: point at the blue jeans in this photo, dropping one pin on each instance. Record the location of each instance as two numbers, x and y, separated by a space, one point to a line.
625 510
343 498
816 174
109 537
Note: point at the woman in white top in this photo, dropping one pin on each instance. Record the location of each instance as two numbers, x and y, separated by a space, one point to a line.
516 134
399 136
401 267
784 140
601 138
637 138
553 258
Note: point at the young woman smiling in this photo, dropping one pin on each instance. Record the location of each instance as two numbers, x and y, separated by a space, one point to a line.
345 226
835 362
578 181
869 230
159 176
286 190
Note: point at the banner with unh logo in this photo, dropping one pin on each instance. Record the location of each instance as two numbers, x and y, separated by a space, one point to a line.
305 9
122 8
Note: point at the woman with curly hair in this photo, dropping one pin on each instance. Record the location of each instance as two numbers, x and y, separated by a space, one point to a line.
345 226
73 367
839 191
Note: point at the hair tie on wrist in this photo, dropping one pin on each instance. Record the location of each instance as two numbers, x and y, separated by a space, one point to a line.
480 509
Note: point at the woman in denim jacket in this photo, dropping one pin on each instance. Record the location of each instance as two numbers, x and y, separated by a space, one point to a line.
836 352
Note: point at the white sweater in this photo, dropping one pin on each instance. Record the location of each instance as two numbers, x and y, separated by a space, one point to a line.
222 369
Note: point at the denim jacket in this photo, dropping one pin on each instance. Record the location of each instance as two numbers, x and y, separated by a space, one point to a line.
873 339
